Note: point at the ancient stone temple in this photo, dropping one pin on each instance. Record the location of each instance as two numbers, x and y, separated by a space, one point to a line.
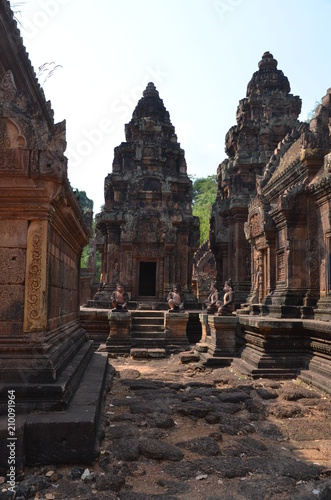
287 223
264 117
147 234
289 231
44 352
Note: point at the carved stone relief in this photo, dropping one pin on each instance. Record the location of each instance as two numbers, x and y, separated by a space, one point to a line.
35 310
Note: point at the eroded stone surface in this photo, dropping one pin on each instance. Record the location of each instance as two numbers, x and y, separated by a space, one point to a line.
281 459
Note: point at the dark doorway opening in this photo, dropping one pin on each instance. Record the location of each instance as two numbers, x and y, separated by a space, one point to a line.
147 279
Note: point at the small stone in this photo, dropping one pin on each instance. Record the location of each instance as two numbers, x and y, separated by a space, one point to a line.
266 394
126 448
199 477
85 474
129 374
49 473
212 418
158 450
76 473
189 357
163 421
55 477
201 347
207 446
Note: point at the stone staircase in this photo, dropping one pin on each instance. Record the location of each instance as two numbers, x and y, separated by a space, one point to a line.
148 334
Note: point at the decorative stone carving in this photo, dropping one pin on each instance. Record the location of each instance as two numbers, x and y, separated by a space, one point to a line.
204 272
226 306
35 317
263 121
148 197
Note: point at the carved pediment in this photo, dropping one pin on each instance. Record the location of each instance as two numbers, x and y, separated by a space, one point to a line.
259 220
256 223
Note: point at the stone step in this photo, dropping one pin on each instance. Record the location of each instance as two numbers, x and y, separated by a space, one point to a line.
147 353
147 333
148 321
52 435
147 342
148 314
145 328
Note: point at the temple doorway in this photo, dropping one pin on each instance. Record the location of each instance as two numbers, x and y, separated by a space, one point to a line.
147 279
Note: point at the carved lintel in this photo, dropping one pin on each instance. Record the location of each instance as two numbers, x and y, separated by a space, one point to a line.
35 305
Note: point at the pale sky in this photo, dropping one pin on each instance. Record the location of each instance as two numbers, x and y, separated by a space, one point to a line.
200 54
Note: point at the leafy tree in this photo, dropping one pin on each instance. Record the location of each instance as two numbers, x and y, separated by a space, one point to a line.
204 194
85 202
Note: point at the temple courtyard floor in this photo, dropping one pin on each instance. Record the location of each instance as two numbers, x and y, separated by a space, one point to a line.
183 431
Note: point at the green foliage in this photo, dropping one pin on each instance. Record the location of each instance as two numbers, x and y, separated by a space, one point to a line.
85 202
85 256
204 194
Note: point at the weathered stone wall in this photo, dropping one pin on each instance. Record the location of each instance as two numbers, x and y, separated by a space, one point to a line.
64 280
12 276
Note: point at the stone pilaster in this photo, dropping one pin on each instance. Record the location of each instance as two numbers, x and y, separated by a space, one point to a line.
35 305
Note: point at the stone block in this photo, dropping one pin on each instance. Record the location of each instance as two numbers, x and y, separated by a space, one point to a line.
223 331
220 347
189 357
119 338
96 323
13 233
273 347
139 352
175 328
156 353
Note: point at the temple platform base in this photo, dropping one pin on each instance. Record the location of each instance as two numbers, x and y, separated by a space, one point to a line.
68 436
273 347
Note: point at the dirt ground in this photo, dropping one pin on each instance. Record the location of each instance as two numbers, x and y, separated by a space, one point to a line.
181 431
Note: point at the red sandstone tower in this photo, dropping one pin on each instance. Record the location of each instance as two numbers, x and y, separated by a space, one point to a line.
264 117
146 234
